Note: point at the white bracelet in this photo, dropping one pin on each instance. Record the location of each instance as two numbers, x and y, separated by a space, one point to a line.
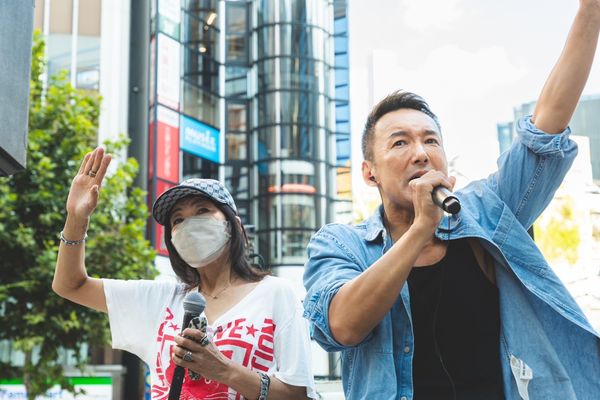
72 242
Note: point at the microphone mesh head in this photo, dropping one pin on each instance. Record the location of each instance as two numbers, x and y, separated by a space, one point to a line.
194 303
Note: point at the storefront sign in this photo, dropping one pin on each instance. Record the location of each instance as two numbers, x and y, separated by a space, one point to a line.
200 139
168 71
96 388
169 18
167 144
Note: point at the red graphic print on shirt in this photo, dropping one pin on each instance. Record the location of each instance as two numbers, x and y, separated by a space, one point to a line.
239 340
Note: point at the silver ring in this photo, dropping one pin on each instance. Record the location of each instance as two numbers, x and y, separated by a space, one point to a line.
188 356
92 173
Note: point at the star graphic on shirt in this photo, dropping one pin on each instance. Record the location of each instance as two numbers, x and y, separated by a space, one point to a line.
251 330
174 326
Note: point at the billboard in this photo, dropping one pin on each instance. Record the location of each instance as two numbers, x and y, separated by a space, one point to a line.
167 144
169 17
200 139
168 71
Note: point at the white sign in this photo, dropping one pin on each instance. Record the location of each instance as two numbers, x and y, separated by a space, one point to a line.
170 9
168 71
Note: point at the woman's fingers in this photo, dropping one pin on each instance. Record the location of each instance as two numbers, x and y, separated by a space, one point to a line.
95 165
180 351
98 156
194 334
103 168
190 341
84 163
90 162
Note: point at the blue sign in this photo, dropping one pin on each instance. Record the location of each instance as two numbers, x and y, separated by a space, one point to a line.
200 139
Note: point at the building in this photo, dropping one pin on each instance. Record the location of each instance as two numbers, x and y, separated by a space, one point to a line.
261 103
505 135
252 92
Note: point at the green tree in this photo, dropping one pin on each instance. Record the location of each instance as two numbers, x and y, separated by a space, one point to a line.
558 237
62 128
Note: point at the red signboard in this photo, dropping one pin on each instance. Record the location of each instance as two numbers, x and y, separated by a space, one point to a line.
167 145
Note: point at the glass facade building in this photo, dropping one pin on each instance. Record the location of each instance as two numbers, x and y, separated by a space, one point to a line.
290 105
505 133
255 93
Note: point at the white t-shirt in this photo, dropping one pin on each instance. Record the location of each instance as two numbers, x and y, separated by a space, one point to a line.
265 332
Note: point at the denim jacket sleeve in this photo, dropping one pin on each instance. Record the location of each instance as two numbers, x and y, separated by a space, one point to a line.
330 265
532 170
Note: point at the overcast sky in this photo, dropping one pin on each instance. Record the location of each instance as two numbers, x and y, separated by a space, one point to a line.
472 60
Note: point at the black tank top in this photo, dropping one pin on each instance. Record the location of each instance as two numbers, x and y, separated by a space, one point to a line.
456 325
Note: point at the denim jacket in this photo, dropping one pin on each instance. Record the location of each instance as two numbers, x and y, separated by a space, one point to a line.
547 347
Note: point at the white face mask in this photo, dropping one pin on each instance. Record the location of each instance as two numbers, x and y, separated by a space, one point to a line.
200 240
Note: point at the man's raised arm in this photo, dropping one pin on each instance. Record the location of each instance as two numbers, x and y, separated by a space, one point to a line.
563 88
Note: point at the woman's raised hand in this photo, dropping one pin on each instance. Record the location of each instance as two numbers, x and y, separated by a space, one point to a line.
85 188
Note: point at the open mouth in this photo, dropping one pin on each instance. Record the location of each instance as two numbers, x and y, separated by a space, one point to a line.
417 174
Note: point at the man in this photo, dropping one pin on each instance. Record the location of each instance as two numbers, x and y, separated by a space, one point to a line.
425 305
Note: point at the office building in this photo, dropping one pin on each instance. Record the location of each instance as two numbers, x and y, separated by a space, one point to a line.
256 94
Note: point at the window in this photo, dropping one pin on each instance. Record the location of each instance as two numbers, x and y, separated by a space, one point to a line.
236 116
236 82
299 140
197 167
200 105
200 69
236 146
236 180
237 43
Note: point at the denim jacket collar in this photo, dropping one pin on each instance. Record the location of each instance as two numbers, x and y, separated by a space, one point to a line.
375 226
376 229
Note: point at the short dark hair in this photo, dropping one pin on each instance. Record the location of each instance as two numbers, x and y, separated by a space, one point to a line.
238 252
394 101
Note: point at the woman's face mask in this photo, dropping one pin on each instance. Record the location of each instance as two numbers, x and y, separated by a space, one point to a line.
200 240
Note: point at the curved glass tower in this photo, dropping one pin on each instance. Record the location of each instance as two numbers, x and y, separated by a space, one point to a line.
291 125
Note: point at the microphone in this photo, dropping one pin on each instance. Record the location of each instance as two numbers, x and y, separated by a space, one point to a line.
193 305
445 199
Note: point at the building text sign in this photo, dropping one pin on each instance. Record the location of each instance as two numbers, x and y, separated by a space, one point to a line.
200 139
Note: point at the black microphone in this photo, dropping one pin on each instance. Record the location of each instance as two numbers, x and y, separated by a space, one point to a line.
193 305
445 199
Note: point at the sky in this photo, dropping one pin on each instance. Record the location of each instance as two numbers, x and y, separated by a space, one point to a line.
472 60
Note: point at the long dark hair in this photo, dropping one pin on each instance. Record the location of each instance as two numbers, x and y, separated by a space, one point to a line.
238 255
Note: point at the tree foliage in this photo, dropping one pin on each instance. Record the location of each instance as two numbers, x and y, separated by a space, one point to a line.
62 128
558 237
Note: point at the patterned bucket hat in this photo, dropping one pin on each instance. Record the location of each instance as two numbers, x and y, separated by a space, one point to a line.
210 188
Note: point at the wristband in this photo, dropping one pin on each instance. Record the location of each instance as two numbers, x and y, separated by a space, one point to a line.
72 242
265 381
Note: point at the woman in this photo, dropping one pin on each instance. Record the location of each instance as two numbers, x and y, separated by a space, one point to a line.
260 345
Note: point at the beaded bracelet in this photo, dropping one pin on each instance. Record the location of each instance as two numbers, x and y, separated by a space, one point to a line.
72 242
265 382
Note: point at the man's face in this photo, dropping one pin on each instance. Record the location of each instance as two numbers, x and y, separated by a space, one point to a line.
406 144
